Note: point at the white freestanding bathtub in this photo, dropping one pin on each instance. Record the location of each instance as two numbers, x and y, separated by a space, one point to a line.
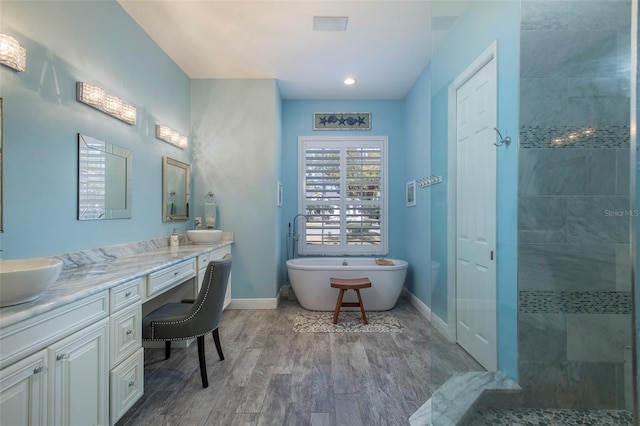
310 276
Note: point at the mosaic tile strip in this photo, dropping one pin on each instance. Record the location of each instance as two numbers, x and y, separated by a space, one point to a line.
540 416
575 302
574 137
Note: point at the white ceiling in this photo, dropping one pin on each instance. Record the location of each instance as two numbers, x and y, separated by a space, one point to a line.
386 46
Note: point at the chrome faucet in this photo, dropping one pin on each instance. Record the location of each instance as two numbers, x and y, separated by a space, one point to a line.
295 235
197 222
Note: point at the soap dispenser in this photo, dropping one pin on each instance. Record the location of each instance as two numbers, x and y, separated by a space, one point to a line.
173 242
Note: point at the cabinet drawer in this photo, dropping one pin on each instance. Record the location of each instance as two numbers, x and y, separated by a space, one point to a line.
167 278
203 260
125 294
127 384
126 333
31 335
219 253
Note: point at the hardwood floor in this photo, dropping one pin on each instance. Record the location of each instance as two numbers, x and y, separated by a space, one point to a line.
273 376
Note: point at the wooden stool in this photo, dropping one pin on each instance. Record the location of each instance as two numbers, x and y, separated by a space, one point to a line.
349 284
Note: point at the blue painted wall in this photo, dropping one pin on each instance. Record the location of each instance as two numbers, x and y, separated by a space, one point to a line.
387 119
236 127
98 43
483 23
417 160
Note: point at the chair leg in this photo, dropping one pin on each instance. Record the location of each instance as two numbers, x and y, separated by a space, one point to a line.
167 349
203 365
216 340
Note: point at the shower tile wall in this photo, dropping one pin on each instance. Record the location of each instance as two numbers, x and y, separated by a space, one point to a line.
574 279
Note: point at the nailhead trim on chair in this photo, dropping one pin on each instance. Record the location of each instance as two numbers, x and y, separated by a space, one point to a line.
186 319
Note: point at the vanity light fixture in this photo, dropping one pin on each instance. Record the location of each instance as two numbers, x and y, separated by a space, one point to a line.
96 97
167 134
12 54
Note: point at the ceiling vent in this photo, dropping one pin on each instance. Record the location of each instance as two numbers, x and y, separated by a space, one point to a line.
330 23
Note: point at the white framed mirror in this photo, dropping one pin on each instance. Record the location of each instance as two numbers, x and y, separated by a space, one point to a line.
175 190
105 179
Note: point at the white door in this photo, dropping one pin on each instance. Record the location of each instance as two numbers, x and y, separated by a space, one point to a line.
476 102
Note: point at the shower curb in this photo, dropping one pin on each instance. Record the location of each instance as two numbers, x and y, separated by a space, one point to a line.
454 403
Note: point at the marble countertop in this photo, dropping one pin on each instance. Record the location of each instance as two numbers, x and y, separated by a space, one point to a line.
89 272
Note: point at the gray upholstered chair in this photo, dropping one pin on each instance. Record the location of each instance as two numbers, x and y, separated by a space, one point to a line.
192 318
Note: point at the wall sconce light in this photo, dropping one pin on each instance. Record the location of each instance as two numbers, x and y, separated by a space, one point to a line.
12 54
167 134
96 97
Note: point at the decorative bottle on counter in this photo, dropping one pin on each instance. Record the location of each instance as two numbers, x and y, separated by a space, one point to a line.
173 241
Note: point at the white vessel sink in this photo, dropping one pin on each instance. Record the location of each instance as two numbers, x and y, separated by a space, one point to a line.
204 236
24 280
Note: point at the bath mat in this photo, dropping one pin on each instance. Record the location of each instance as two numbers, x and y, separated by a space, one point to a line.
349 322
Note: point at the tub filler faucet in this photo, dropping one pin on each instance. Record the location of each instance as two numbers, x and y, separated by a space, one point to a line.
295 235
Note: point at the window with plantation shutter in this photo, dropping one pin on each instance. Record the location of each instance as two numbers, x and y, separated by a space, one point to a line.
343 193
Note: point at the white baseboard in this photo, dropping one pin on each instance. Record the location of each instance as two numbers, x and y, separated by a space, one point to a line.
266 303
443 328
436 322
417 303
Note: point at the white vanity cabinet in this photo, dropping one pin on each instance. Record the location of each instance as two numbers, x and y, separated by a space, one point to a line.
82 361
203 261
64 384
50 359
125 348
23 391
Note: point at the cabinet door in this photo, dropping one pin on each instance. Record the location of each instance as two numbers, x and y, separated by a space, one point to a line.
217 255
23 391
79 387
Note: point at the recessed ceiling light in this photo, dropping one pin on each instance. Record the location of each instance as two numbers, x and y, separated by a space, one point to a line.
349 81
330 23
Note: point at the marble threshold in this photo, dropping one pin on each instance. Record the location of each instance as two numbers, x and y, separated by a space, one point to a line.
456 400
91 271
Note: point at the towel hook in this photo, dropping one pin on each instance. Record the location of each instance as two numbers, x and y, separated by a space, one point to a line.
506 140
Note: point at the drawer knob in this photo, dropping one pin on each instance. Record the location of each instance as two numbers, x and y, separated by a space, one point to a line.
176 273
132 383
129 332
40 370
61 357
127 294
